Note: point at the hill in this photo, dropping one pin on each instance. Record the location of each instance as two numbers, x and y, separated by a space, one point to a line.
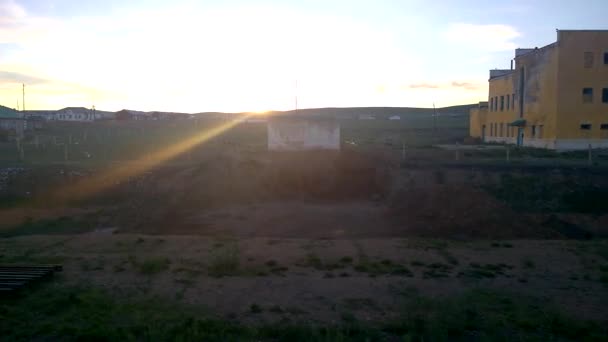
355 112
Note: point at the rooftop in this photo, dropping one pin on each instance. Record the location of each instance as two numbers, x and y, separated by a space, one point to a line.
9 113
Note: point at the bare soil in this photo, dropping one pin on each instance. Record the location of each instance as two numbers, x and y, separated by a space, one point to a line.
317 280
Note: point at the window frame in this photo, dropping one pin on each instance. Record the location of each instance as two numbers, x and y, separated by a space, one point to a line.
587 97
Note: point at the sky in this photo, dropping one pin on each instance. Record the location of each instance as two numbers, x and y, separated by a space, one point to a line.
233 56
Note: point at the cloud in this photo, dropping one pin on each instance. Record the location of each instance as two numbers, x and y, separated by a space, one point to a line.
482 37
15 77
452 85
423 86
10 13
466 85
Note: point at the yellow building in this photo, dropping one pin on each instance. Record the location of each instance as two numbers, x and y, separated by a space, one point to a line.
553 97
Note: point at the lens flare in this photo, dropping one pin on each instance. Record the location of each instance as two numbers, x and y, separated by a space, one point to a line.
105 180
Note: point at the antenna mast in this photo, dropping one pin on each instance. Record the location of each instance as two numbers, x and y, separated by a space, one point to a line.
23 102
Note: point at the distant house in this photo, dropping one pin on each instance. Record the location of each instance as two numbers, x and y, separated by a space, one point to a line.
394 117
12 121
40 115
367 117
80 114
127 114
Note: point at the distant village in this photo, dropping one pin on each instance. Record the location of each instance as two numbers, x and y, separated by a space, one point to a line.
18 122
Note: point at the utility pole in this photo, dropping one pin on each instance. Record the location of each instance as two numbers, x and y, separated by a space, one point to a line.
434 118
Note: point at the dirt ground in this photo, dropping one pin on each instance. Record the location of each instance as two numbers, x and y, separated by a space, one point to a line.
316 237
317 195
318 280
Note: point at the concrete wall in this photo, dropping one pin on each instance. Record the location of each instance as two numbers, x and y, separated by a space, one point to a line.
539 101
501 110
574 76
300 134
477 120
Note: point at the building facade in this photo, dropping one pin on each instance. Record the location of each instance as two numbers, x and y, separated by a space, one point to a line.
553 97
12 122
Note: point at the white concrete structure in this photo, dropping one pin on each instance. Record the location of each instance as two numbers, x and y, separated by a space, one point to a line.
291 134
367 117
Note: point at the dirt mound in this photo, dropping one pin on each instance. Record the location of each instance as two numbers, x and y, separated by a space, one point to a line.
459 211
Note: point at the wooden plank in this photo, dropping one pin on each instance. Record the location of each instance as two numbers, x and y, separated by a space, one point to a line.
25 273
12 284
46 267
33 276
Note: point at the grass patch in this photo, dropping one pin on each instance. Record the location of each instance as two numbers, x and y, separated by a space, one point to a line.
544 194
479 271
346 260
224 260
528 263
360 304
61 225
96 264
152 266
437 270
78 314
382 267
449 258
255 308
314 261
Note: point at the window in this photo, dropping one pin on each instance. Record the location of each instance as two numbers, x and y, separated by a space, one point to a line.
502 103
533 131
587 95
604 126
588 59
491 104
495 103
501 135
586 127
513 101
605 95
540 131
508 102
605 58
